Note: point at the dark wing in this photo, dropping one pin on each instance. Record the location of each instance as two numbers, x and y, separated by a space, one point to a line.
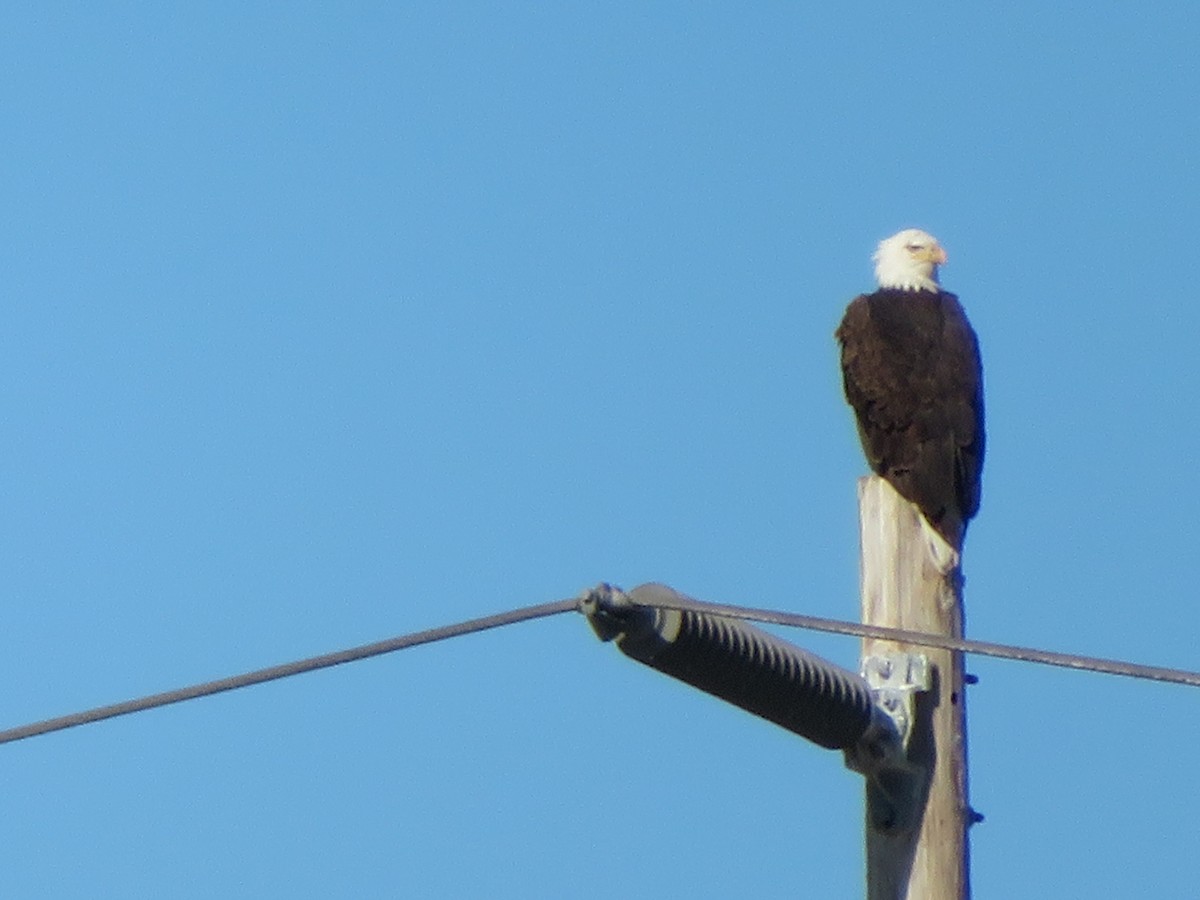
963 373
911 370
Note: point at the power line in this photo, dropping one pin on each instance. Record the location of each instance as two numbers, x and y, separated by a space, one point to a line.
286 670
981 648
525 614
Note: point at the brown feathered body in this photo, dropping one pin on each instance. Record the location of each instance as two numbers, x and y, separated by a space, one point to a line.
911 370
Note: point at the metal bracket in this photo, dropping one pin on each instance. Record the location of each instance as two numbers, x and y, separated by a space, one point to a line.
895 679
894 784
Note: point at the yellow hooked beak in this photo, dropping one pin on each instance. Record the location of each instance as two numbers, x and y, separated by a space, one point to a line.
936 255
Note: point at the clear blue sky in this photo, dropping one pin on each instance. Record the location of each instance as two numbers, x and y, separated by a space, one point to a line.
330 322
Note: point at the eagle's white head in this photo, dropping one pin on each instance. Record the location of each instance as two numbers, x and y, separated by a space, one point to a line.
909 261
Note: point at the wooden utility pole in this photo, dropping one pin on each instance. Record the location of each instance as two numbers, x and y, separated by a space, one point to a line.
911 580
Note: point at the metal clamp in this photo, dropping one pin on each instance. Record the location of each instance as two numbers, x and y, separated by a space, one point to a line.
894 784
895 679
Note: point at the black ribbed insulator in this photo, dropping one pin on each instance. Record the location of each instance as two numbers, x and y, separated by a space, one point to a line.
736 662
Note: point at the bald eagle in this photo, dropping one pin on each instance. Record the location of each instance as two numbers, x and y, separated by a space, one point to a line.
911 371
